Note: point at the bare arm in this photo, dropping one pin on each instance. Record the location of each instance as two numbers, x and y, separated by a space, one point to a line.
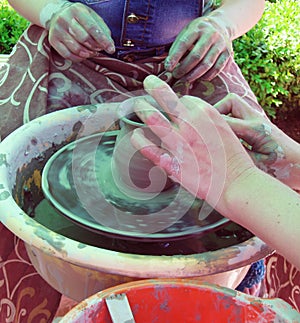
239 15
31 9
269 209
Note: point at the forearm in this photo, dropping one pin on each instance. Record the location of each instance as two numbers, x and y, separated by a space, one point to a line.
269 209
239 15
33 10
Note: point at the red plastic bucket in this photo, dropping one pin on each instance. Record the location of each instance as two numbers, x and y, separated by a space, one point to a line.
181 301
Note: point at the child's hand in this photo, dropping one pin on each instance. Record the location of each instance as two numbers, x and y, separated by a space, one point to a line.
202 48
77 33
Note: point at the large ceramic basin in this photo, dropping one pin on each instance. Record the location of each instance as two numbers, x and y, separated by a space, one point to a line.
74 266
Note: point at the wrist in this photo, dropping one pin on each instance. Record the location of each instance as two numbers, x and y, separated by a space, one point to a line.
50 10
287 168
238 192
292 149
219 18
239 16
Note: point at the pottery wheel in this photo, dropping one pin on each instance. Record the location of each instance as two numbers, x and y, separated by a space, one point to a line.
79 181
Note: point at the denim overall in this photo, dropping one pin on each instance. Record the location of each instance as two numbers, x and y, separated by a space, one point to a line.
145 27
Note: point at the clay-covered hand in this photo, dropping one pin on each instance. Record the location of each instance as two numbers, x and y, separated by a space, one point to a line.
201 49
269 147
199 150
77 32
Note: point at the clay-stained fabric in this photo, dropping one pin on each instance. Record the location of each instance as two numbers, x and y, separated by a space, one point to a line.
36 80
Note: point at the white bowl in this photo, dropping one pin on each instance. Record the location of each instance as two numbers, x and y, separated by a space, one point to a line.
77 269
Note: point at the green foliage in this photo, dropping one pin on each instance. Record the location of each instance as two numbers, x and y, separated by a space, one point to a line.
12 26
268 56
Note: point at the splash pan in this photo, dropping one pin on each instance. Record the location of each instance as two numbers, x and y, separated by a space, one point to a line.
79 180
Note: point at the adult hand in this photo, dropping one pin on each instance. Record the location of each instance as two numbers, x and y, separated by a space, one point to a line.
269 147
201 49
199 150
77 32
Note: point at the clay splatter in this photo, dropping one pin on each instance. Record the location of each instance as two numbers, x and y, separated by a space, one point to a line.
57 242
4 195
92 108
3 160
